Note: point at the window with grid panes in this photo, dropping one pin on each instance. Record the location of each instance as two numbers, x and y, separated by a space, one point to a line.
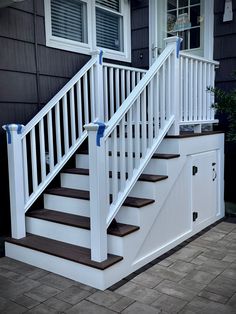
89 24
190 10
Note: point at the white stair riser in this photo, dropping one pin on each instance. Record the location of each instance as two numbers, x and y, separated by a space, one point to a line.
169 146
75 181
67 205
81 207
69 234
156 166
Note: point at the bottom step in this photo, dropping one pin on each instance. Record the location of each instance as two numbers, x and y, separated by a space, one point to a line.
63 250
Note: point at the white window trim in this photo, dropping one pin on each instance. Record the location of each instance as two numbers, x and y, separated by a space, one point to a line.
90 47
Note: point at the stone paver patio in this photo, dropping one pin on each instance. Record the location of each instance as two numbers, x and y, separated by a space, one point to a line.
197 277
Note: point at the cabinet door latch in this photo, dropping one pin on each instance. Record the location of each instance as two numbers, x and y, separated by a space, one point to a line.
195 170
195 216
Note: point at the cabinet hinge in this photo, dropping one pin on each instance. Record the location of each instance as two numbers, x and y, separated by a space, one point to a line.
195 170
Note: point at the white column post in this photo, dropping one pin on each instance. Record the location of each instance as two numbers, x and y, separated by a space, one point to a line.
173 41
16 181
99 87
99 195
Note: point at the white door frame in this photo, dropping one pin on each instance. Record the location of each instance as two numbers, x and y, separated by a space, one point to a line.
157 24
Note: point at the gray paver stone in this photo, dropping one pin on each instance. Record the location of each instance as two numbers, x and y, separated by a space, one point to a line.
86 307
139 293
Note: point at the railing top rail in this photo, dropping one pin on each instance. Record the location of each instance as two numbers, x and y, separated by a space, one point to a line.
58 97
194 57
123 67
127 104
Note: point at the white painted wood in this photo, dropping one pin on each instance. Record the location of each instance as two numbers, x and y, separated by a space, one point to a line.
58 133
33 159
79 108
72 114
117 89
50 141
25 168
65 124
106 106
85 98
99 195
111 92
99 88
92 90
16 182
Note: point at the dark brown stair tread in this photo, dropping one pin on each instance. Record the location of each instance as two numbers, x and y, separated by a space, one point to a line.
155 156
64 250
191 134
81 194
77 221
143 177
165 156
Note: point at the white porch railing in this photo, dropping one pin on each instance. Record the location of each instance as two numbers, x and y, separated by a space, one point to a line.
49 140
132 136
196 74
139 110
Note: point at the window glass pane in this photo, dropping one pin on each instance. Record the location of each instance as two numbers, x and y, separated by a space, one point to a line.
195 38
194 2
185 42
109 30
172 4
110 4
183 3
195 15
69 19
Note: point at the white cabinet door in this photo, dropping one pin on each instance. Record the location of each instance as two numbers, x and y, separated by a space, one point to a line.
204 186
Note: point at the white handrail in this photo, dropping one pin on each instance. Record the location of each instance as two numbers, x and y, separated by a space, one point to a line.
58 96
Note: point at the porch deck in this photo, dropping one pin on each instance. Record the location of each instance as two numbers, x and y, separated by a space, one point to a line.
198 276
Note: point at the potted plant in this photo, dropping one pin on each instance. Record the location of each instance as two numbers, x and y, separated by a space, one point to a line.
225 105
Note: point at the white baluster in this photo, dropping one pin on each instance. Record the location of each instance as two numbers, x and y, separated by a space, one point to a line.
111 91
42 149
106 109
72 115
65 123
58 132
50 141
85 103
33 159
79 108
117 87
25 168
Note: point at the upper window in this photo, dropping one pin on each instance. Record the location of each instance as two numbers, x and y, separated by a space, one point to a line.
184 19
85 25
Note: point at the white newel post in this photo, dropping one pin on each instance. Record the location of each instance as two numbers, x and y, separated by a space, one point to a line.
99 87
16 180
99 196
175 82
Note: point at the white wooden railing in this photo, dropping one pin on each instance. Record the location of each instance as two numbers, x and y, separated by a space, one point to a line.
119 81
46 143
138 107
196 74
132 136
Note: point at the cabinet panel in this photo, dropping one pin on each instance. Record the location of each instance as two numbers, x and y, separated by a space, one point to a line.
204 186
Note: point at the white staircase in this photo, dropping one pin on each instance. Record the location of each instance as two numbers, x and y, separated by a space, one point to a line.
127 200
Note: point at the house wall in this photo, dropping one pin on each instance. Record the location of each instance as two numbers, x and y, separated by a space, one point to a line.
140 33
224 46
